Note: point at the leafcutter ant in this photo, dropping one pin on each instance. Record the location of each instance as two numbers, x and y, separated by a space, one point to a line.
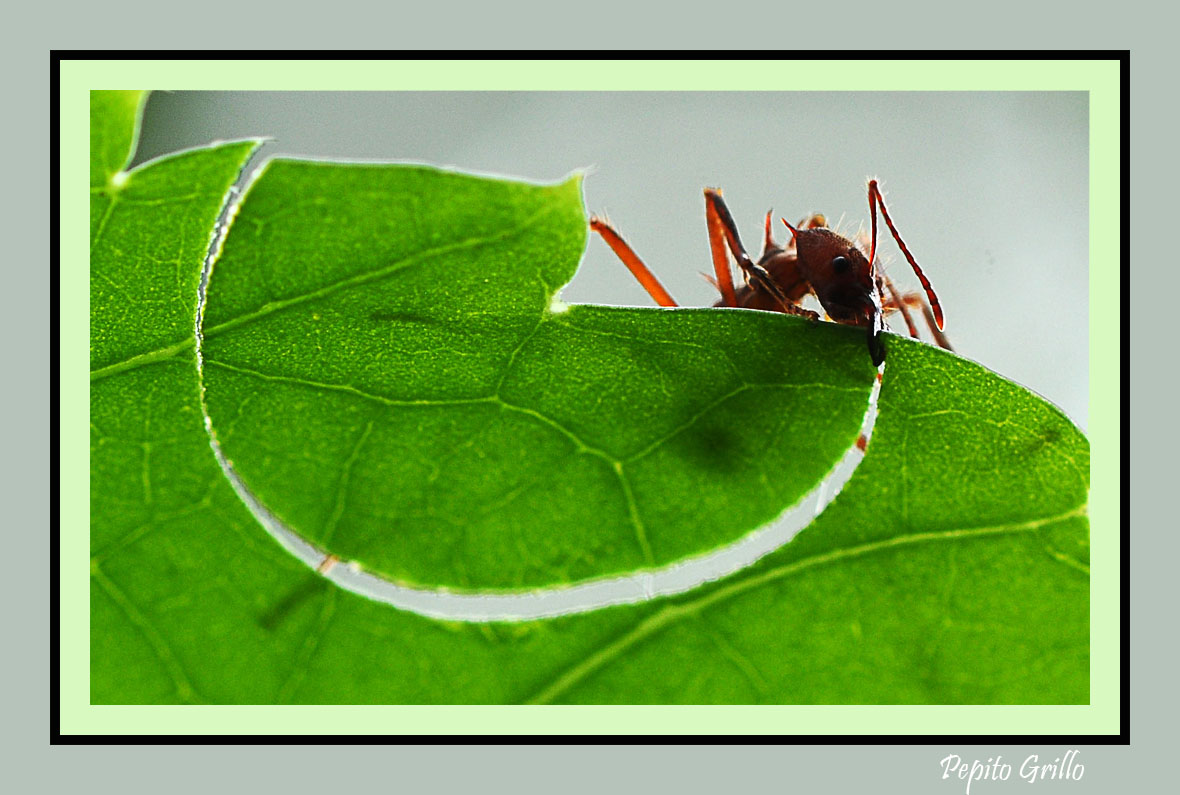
816 261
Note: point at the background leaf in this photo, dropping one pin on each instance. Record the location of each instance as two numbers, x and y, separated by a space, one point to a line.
953 567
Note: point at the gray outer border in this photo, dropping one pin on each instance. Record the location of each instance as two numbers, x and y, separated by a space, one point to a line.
912 769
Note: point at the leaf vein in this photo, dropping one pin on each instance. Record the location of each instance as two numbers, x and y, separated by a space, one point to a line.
577 441
160 647
374 275
633 512
149 357
717 402
671 614
1067 560
307 652
347 388
516 351
342 486
102 222
741 662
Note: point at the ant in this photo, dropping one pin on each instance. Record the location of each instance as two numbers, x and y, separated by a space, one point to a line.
816 260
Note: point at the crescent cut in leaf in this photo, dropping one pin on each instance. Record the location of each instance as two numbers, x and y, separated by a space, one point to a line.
383 367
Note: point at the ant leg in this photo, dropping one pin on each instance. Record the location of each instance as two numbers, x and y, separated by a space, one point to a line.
634 264
895 302
900 302
935 331
718 215
875 198
720 258
769 246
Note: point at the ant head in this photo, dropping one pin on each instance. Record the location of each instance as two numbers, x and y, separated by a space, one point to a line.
840 275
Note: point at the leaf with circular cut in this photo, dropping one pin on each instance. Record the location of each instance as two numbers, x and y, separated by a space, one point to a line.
385 369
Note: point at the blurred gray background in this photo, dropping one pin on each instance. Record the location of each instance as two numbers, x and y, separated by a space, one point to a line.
989 190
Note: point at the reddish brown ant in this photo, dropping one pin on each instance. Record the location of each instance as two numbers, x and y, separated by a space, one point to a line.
816 260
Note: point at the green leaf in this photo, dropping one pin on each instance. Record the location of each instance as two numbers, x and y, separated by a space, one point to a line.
952 568
114 124
150 230
383 367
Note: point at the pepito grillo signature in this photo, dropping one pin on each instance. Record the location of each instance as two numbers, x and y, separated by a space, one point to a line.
1032 770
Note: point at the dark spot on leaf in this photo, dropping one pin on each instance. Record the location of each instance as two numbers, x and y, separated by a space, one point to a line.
1046 436
289 603
711 446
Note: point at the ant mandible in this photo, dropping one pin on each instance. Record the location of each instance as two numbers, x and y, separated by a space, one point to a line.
816 260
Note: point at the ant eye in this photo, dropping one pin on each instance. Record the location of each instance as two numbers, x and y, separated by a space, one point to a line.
840 265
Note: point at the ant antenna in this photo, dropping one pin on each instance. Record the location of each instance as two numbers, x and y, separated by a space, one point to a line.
876 198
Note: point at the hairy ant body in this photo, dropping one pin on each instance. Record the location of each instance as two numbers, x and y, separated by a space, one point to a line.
815 261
